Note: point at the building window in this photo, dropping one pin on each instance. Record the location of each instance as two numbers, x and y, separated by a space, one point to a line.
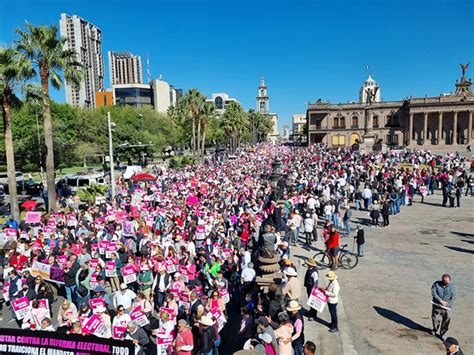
338 141
339 122
262 92
262 106
375 121
355 122
218 103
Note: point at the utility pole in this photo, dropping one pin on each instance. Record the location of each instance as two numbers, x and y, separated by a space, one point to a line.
111 158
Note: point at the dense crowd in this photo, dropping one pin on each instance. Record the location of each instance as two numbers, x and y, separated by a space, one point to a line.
169 261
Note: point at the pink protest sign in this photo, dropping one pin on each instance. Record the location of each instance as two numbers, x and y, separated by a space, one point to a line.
170 266
129 274
95 326
109 249
21 307
33 217
118 331
138 316
110 269
219 317
184 299
120 215
183 270
62 260
93 263
192 200
93 281
317 299
97 302
163 339
224 294
102 245
10 232
44 303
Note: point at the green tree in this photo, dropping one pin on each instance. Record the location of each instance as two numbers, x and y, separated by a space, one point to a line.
235 123
14 69
189 114
261 125
42 46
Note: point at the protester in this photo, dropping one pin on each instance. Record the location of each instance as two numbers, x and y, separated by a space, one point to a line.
311 280
444 294
360 240
332 290
193 240
452 347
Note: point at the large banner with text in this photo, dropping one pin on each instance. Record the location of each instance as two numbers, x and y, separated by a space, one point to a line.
17 341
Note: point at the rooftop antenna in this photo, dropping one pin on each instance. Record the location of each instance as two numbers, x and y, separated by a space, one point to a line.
148 66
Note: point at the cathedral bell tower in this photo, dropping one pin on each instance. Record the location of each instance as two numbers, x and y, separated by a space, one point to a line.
262 97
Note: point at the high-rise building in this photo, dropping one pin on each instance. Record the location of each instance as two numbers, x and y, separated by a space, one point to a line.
263 107
124 68
86 39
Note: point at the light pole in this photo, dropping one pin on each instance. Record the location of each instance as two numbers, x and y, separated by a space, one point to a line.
111 158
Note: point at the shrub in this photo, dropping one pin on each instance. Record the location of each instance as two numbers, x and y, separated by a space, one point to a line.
30 167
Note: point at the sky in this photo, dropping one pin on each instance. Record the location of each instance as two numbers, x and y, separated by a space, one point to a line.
306 50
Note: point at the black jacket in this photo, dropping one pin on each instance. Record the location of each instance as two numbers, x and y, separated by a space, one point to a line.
208 335
360 238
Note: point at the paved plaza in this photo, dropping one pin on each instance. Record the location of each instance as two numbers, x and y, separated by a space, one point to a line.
385 306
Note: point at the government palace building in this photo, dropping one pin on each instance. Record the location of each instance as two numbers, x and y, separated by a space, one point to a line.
440 123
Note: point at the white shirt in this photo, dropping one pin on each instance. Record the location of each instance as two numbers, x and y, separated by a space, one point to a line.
124 299
248 274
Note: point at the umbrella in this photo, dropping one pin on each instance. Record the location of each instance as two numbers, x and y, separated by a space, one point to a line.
29 205
143 177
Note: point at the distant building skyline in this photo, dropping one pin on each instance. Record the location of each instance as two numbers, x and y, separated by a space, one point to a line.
86 39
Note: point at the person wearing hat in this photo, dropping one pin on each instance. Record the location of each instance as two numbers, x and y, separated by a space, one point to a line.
207 333
264 326
267 343
452 347
292 289
311 280
332 291
297 339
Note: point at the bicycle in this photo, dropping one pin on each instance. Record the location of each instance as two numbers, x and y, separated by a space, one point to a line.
347 259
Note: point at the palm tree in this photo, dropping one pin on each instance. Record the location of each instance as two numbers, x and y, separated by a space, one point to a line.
235 123
207 113
14 69
47 52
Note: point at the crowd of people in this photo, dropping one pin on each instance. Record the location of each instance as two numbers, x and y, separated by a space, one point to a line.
169 261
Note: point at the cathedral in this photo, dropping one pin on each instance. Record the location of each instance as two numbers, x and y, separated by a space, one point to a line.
263 107
439 123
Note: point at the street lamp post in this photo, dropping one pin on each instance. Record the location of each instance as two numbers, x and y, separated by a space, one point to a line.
111 158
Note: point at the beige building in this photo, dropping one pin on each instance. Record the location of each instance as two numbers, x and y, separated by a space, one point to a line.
441 122
124 68
297 122
86 39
